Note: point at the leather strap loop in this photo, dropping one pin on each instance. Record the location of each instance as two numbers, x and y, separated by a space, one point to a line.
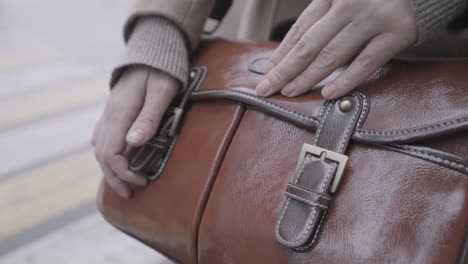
308 196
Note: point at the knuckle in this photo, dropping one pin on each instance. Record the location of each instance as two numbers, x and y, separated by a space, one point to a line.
301 83
364 63
104 157
408 29
302 50
275 77
295 30
346 7
326 58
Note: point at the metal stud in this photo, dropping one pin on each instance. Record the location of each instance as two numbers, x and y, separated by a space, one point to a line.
346 105
193 74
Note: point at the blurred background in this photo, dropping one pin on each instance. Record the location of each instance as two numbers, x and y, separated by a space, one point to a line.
55 61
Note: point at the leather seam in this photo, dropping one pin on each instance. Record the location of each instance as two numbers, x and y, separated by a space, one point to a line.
360 134
314 238
319 130
210 185
322 109
267 102
351 125
431 156
413 130
365 108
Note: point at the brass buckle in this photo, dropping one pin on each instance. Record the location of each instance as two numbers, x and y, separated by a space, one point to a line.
325 154
177 117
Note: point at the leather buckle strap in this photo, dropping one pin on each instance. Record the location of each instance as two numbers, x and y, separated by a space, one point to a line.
319 171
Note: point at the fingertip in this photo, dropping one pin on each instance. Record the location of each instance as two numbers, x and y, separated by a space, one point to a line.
119 187
124 190
127 194
289 90
263 88
329 91
137 179
136 137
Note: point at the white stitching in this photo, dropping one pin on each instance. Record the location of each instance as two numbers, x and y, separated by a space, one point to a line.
412 130
324 106
319 130
263 101
365 108
359 131
445 161
314 238
348 129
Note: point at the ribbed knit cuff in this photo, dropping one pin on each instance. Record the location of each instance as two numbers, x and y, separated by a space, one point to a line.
432 15
158 43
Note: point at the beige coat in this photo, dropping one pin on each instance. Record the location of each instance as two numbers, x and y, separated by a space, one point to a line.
190 15
259 17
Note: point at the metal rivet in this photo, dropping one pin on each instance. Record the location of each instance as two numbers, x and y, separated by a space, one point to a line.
346 105
193 74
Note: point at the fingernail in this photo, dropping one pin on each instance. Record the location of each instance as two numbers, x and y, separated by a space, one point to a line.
263 88
127 194
288 90
136 136
141 181
124 192
328 91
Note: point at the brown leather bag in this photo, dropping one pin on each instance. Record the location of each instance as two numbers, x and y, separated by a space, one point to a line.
378 176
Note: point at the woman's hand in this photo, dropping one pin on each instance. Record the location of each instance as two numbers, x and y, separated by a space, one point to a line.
330 33
132 116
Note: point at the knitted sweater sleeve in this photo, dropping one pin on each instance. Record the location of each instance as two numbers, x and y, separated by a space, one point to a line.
433 15
157 43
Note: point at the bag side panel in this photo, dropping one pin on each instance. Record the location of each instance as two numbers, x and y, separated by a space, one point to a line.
389 208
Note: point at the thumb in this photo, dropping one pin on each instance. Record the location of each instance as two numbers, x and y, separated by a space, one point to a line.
160 91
